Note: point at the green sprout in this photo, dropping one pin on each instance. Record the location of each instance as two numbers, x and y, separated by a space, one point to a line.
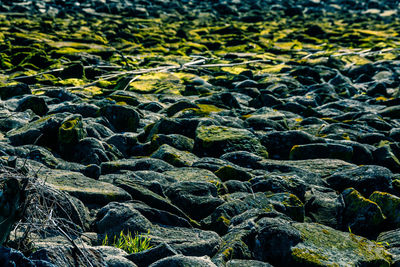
131 244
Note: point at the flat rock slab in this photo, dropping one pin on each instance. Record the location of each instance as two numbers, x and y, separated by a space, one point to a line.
88 190
322 167
192 174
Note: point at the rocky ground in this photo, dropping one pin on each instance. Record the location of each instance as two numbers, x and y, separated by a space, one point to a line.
231 133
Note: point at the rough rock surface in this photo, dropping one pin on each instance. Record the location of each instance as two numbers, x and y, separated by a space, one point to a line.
225 133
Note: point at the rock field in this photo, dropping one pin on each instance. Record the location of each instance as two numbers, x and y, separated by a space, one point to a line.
228 133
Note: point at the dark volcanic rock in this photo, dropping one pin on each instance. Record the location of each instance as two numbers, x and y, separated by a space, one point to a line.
123 118
217 140
365 179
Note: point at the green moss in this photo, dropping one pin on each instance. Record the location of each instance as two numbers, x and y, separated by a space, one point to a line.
309 256
71 131
325 246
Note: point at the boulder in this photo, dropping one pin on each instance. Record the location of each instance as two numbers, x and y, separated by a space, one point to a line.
361 216
123 118
217 140
365 179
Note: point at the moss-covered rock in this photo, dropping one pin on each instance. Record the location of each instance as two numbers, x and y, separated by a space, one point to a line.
361 215
390 206
216 140
317 151
288 204
174 156
228 172
41 131
324 246
192 174
89 191
175 140
71 131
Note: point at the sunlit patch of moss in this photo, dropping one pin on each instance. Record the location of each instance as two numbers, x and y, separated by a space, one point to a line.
158 83
272 68
71 82
234 70
355 59
89 91
309 256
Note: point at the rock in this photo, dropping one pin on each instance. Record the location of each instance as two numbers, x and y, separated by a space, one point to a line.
217 140
84 109
123 118
175 140
135 165
220 219
390 241
274 240
324 206
128 218
391 112
9 121
43 131
178 106
71 132
147 257
89 191
280 143
12 197
67 207
97 130
361 215
174 156
145 195
73 71
127 97
34 103
365 179
18 89
184 261
390 206
235 245
91 151
233 186
192 242
197 199
92 171
229 172
316 151
12 257
162 217
323 246
321 167
247 263
115 257
259 122
279 184
385 156
122 142
67 256
244 159
192 174
288 204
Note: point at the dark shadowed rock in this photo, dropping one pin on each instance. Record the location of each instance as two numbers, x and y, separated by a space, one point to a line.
365 179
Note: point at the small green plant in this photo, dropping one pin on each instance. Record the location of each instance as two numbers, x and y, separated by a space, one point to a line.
129 243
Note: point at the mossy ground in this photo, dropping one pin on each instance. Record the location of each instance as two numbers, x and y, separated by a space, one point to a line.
36 49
